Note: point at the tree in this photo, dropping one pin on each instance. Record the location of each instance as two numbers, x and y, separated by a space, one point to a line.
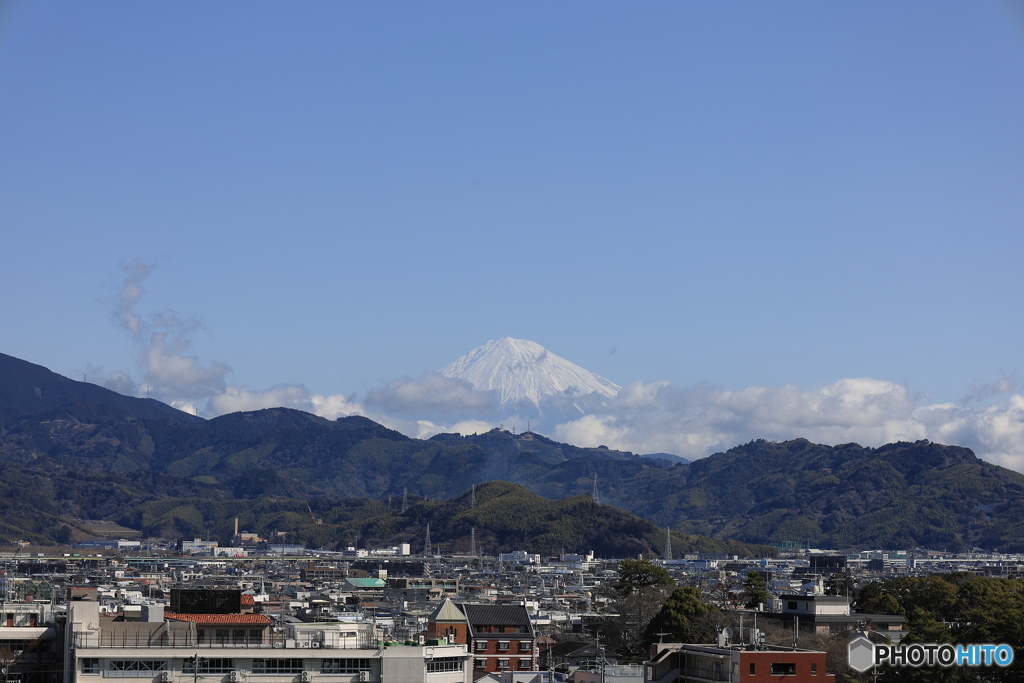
684 618
838 583
635 575
639 594
757 590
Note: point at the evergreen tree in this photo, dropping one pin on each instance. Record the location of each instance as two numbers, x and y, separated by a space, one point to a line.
635 575
684 617
757 590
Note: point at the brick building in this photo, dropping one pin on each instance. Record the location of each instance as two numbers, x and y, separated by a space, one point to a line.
683 663
501 637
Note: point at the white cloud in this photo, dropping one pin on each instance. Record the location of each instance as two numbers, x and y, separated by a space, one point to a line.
700 420
431 395
163 341
334 406
234 399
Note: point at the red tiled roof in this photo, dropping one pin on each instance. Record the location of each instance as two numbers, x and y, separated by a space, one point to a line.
248 599
220 618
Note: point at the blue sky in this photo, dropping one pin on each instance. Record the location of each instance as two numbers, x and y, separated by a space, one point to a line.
338 194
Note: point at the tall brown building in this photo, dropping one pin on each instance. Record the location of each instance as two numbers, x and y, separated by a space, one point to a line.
500 637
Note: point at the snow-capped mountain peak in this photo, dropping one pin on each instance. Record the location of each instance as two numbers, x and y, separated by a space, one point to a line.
519 369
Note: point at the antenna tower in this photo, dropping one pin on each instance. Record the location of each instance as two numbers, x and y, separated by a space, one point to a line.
472 497
405 499
426 543
472 542
594 494
668 544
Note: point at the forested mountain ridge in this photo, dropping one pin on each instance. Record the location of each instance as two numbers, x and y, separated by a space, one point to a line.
898 495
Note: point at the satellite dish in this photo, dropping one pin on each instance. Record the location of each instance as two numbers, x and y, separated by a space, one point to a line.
727 632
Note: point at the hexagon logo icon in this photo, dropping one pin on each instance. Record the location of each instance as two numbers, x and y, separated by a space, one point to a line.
861 654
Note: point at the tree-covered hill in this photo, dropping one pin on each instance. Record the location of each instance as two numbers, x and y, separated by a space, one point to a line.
506 517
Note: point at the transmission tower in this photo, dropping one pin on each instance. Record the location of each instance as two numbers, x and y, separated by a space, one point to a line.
472 497
668 543
405 499
472 542
594 494
426 543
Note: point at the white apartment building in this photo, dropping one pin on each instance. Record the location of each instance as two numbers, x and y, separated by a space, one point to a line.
247 648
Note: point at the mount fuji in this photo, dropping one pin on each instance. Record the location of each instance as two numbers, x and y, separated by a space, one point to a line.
521 371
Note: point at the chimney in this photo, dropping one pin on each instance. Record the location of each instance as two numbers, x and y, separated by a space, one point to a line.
236 526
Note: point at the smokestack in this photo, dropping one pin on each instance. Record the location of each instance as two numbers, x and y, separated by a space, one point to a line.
236 526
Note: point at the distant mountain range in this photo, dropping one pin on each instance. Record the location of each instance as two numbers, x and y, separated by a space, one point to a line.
72 450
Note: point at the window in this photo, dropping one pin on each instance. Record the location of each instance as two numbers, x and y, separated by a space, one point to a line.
344 666
480 645
90 665
503 645
502 663
222 636
208 666
444 665
255 637
135 667
525 664
201 635
479 663
525 645
753 669
277 666
238 637
783 668
790 605
814 668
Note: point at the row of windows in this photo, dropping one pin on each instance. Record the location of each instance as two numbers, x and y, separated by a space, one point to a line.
223 665
223 636
783 668
344 666
277 666
213 665
503 645
135 667
500 629
524 664
444 664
